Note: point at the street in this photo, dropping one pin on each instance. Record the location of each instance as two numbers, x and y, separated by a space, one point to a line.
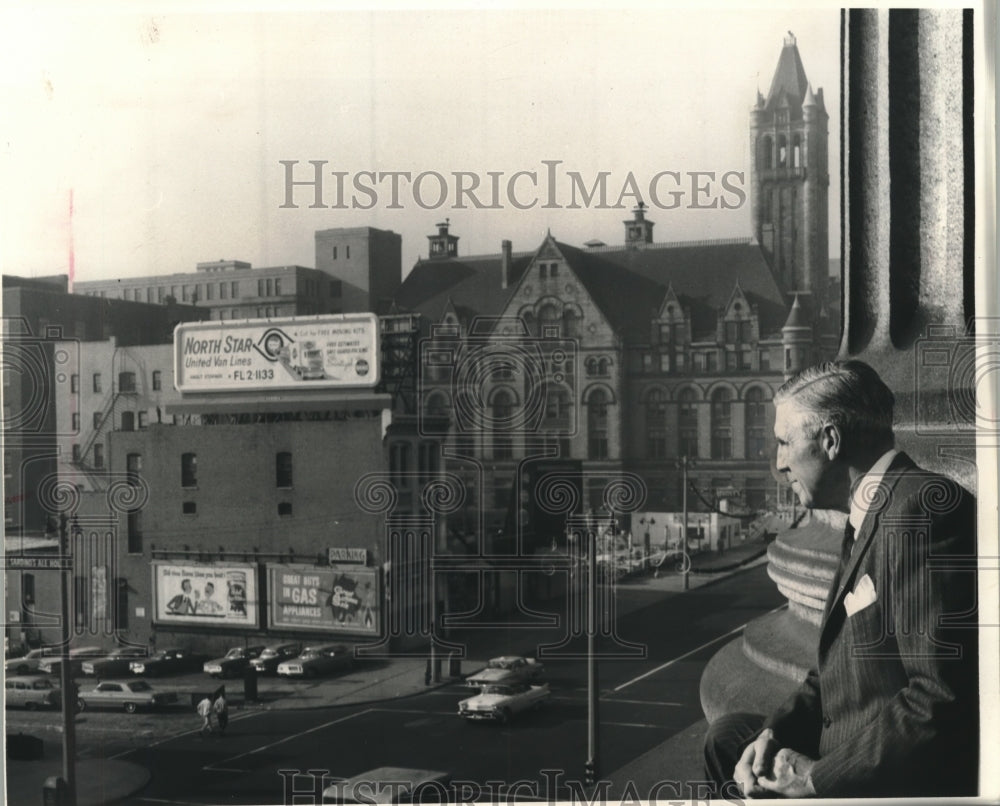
644 701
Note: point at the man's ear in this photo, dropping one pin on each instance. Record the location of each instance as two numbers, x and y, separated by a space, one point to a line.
830 441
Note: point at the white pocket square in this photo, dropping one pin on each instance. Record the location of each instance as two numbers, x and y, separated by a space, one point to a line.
862 596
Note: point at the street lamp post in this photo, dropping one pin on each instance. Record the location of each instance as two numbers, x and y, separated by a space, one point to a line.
683 464
65 673
591 770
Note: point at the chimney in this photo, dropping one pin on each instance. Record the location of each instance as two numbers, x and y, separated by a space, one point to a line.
505 261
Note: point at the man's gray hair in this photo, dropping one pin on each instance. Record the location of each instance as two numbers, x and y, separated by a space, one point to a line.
848 394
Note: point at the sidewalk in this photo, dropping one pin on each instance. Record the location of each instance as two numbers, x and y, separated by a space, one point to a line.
98 781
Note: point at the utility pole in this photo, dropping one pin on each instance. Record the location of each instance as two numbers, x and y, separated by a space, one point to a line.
65 675
684 463
592 771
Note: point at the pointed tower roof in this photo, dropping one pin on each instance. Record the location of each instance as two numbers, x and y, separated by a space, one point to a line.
789 75
810 99
796 316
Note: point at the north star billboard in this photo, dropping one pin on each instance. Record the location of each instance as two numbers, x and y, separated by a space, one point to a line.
335 599
318 352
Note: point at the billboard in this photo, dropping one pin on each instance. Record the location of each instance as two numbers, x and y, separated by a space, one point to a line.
222 594
316 352
332 599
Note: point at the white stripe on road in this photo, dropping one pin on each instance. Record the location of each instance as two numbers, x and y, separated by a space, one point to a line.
653 702
182 733
217 767
694 651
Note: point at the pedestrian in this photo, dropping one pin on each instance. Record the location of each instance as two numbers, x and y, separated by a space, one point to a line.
205 712
221 709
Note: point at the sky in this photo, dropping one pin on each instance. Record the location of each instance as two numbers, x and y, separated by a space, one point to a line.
139 143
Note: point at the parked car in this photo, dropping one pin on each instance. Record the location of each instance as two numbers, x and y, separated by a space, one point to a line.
267 662
500 701
128 694
391 785
115 664
507 669
29 663
31 691
320 659
167 661
234 663
75 658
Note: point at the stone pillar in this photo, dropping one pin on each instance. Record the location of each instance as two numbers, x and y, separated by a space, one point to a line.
908 184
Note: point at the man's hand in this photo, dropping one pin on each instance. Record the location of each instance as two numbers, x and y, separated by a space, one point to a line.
756 761
791 775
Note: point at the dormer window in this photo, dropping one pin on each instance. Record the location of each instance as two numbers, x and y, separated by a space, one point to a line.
543 270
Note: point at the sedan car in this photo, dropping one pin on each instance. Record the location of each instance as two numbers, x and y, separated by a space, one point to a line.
269 659
128 694
391 785
234 663
501 701
115 664
320 659
31 691
76 658
167 661
29 663
507 669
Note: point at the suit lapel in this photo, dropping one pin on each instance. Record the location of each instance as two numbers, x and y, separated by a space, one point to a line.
843 581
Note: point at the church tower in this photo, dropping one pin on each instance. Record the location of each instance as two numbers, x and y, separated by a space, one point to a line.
789 177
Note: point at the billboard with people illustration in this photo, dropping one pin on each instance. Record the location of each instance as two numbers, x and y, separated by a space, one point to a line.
206 593
338 598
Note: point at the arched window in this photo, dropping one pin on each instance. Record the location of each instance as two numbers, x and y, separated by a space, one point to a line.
597 425
656 424
722 424
766 157
687 422
591 365
571 323
756 423
782 151
796 150
549 317
502 411
437 405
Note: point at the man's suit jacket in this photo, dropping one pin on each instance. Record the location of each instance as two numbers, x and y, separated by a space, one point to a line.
892 706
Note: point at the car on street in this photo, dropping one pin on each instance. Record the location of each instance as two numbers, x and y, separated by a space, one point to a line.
317 660
234 663
500 701
268 660
507 669
115 664
29 663
167 661
391 785
130 695
31 692
75 658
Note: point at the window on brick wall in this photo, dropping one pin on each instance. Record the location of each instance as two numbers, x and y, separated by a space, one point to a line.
283 469
189 470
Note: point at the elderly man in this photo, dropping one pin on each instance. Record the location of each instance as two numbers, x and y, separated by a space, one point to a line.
891 707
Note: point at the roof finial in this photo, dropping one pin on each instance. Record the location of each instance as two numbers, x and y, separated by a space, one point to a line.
790 39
